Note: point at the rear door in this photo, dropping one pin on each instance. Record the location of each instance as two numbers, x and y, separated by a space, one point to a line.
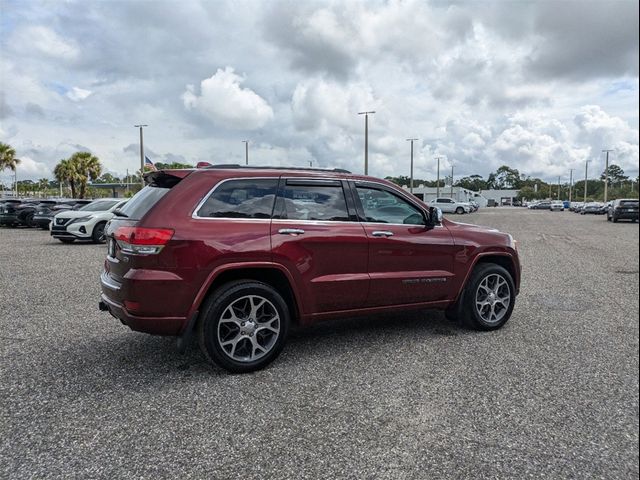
315 233
408 262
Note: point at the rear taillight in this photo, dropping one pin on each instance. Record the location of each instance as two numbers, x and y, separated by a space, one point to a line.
142 241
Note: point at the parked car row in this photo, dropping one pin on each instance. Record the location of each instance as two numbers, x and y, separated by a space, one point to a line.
67 219
621 209
33 212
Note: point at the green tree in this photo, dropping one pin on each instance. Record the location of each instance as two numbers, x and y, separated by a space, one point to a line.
616 174
172 166
504 178
65 172
8 157
472 182
86 166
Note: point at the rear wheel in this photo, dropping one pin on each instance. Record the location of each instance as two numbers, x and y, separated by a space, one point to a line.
98 233
459 210
488 298
243 326
614 218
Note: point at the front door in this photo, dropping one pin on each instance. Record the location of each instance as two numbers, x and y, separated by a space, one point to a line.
408 262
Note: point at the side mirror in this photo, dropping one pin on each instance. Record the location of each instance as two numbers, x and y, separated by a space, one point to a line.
435 215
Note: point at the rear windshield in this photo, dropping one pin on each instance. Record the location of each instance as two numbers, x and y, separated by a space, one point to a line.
143 201
629 203
99 206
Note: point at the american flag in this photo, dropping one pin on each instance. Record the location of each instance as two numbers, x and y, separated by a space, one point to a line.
148 164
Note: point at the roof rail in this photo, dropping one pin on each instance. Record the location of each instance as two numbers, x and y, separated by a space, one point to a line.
235 165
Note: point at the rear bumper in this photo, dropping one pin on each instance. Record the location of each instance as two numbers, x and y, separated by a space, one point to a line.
626 215
42 222
153 325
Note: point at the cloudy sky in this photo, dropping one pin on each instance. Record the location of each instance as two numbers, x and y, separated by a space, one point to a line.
540 86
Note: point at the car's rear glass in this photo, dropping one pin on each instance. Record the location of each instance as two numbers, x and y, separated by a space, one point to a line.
241 199
143 201
629 203
99 206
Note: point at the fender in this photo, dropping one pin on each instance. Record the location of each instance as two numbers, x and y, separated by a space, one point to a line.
476 258
216 272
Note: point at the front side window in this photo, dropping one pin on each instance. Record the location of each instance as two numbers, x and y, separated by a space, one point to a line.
241 199
381 206
315 202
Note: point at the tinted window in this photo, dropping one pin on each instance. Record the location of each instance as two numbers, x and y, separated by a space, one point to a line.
241 199
315 202
629 203
384 207
99 206
142 202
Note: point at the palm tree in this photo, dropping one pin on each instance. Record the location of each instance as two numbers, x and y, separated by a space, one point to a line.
64 172
86 166
8 157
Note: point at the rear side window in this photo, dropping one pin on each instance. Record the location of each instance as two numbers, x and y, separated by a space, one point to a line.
315 202
241 199
141 202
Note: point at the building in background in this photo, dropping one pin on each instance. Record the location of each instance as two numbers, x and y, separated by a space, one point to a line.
499 197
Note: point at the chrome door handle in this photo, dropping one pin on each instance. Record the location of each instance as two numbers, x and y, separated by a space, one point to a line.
291 231
382 233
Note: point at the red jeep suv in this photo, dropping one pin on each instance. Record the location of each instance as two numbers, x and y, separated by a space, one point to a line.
238 254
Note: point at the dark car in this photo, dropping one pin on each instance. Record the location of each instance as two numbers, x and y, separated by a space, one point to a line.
8 217
544 205
623 209
593 208
46 211
27 210
239 254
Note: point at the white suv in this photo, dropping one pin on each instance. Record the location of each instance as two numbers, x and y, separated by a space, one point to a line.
448 205
87 223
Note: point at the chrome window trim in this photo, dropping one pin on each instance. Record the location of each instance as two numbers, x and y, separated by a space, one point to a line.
195 215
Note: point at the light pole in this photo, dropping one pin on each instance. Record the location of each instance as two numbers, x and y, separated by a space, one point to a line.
411 178
586 170
558 187
246 151
570 183
438 178
141 152
452 180
606 174
366 139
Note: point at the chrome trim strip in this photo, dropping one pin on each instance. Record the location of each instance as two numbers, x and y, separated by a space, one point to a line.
107 282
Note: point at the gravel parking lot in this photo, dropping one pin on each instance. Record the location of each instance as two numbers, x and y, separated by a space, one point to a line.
554 393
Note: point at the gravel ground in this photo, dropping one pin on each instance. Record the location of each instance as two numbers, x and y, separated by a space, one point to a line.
552 394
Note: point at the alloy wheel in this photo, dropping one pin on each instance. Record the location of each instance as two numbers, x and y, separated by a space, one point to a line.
248 328
493 298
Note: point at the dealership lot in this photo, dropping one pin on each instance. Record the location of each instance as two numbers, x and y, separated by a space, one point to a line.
409 395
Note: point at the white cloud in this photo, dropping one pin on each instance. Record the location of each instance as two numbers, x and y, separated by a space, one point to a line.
224 101
77 94
43 40
30 168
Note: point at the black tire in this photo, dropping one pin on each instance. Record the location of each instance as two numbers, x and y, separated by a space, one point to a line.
67 240
28 220
98 233
215 308
614 218
608 218
459 210
468 311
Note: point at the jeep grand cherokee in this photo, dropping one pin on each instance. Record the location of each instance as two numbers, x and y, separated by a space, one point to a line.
236 255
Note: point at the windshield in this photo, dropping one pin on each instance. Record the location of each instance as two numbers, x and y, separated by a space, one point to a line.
99 206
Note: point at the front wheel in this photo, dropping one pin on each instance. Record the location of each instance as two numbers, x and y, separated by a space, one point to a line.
459 210
488 298
98 235
243 326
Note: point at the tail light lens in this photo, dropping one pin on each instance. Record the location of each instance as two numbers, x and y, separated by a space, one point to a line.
142 241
